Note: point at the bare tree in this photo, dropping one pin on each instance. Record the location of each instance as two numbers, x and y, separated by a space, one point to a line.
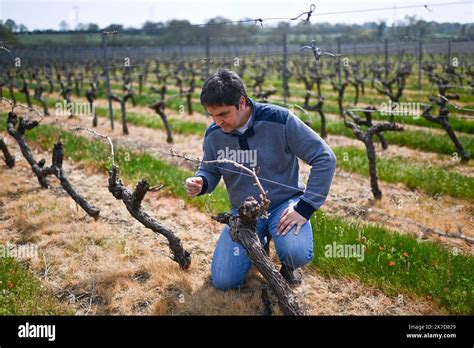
243 231
91 96
159 107
133 200
189 93
442 100
24 89
388 91
443 120
7 157
39 97
17 126
123 104
318 107
367 139
66 93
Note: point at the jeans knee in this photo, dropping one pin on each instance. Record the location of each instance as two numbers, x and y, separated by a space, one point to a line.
296 257
221 282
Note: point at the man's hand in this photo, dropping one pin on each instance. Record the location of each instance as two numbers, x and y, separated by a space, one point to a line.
194 185
288 219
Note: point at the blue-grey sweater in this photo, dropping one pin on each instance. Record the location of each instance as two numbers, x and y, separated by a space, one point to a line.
273 142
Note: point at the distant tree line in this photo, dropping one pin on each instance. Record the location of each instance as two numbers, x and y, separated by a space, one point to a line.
247 31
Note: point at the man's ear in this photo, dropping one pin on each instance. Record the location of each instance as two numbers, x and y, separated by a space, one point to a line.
240 101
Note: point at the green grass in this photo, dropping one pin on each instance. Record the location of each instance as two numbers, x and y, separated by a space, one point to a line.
21 292
432 180
458 125
429 142
414 139
427 270
172 101
177 126
176 104
449 280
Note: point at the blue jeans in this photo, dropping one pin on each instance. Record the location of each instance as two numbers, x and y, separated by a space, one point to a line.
230 263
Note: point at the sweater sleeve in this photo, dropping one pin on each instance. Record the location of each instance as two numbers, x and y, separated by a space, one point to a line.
307 145
209 173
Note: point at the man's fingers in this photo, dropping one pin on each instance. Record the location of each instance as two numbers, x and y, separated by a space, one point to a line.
284 227
283 218
192 191
288 228
284 214
281 225
194 182
193 186
288 219
298 228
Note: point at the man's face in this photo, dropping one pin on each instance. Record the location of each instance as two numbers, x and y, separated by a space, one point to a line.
227 116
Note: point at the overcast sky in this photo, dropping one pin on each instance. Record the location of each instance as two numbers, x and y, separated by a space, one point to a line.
47 14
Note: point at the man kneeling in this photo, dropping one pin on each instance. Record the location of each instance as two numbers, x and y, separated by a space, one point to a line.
270 139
